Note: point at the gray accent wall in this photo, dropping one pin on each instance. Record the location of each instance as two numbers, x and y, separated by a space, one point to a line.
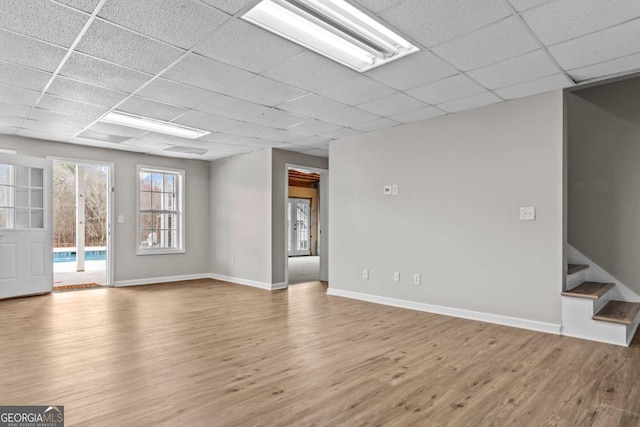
128 265
604 177
462 179
240 194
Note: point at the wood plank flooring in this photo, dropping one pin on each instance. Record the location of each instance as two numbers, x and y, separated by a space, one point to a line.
207 353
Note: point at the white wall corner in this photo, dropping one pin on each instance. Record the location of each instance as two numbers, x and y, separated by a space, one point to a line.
247 282
533 325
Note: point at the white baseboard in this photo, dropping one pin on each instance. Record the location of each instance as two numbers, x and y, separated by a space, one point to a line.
255 284
154 280
533 325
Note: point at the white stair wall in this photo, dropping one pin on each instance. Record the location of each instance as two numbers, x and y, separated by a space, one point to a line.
597 274
577 323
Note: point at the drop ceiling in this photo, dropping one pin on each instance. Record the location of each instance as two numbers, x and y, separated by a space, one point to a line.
64 64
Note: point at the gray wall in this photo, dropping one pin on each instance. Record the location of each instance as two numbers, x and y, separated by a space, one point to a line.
604 177
129 266
280 158
240 194
462 179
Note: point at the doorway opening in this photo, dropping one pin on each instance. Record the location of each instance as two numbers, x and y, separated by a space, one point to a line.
81 225
305 225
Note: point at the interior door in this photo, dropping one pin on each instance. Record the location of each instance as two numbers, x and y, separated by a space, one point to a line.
299 219
26 240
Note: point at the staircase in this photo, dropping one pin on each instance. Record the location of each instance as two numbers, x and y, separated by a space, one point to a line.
589 312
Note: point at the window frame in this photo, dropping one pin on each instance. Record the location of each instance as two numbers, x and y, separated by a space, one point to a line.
179 211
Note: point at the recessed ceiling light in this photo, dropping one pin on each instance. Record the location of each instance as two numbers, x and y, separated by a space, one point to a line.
333 28
152 125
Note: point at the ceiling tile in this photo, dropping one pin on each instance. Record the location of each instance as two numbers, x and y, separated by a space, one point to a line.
246 46
59 119
101 73
312 105
10 122
250 129
431 22
229 6
356 90
473 101
448 89
277 118
527 67
494 43
149 141
284 135
102 137
147 108
46 135
313 127
340 133
545 84
28 78
114 129
621 65
13 110
43 20
70 107
205 121
309 71
350 116
233 108
265 91
246 141
521 5
558 21
187 150
312 141
392 105
85 5
377 6
8 130
605 45
50 127
418 115
16 95
83 92
126 48
175 93
32 53
180 23
296 148
382 123
411 71
197 71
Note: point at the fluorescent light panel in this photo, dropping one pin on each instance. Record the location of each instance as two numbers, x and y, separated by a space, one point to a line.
152 125
333 28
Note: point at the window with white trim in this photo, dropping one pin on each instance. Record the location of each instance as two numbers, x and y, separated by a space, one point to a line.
160 210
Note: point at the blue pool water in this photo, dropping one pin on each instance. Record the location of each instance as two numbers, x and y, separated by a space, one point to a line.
71 256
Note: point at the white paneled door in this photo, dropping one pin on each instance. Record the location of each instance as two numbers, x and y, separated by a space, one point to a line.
299 219
26 247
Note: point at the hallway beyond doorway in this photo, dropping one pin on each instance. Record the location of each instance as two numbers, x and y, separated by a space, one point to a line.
304 269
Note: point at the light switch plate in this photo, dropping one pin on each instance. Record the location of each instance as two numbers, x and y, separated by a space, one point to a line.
394 189
528 213
120 219
387 190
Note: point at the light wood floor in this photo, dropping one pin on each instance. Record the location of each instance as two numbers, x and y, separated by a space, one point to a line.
206 353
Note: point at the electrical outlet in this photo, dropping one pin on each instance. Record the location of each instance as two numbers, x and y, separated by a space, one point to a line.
528 213
365 273
396 276
416 279
386 190
394 189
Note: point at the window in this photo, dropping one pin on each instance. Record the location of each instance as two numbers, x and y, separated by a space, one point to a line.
21 197
160 210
